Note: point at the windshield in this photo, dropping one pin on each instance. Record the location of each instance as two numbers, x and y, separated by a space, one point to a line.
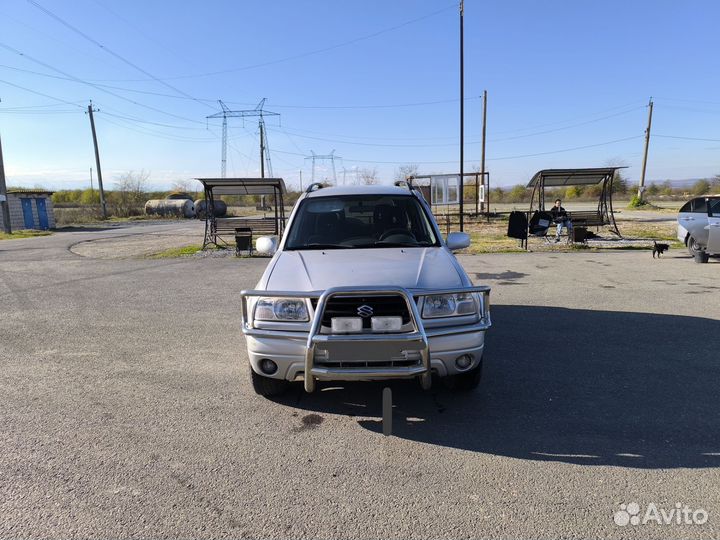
360 221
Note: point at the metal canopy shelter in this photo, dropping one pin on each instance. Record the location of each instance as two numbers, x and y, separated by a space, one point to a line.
578 177
215 226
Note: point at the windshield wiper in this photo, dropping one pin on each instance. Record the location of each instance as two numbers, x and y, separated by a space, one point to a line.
387 244
322 246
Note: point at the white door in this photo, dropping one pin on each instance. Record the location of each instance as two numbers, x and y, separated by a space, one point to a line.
713 245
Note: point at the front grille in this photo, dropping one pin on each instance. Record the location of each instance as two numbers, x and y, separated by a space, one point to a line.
347 306
404 362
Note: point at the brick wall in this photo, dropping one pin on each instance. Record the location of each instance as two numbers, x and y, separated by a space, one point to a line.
17 220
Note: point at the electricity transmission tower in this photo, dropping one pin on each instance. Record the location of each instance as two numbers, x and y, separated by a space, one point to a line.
328 157
260 113
353 173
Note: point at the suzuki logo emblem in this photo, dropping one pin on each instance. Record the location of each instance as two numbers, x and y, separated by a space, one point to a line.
365 311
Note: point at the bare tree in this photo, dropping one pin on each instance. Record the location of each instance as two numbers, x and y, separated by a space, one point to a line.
183 186
411 169
129 196
368 177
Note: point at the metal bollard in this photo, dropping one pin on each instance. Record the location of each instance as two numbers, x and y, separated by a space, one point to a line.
387 411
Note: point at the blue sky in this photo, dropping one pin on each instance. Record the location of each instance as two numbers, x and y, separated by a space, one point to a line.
377 81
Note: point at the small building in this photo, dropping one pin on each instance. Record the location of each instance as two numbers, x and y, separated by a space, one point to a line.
30 209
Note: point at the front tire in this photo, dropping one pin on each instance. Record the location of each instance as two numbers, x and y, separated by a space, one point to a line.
465 382
701 257
267 386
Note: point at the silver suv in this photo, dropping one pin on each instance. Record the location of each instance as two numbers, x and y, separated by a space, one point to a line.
699 226
362 286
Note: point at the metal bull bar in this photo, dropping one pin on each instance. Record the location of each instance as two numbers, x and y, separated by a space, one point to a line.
367 345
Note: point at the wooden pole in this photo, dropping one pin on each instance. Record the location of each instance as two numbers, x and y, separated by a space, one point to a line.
482 159
641 187
7 227
462 116
103 206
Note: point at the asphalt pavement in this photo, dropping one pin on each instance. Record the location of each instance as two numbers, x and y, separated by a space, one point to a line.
127 409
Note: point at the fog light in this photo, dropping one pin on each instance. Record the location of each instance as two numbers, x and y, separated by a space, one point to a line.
463 362
386 324
267 366
346 325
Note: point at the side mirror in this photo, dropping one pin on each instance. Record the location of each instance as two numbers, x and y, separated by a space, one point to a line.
267 245
457 240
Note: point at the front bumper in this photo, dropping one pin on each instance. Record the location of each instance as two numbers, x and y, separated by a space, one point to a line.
436 348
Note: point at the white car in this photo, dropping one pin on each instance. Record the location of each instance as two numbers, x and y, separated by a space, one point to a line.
699 226
362 286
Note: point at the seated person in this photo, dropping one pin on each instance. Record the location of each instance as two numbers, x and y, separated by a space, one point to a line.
560 216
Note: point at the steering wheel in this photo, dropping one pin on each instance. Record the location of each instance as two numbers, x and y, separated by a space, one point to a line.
391 232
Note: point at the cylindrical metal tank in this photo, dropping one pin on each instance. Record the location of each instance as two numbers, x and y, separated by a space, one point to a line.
179 195
169 207
219 206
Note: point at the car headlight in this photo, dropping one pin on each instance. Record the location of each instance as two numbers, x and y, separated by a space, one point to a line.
449 305
281 309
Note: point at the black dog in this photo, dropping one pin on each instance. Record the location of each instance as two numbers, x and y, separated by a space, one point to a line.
659 248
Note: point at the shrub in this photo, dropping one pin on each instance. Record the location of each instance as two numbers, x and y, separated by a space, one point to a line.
701 187
636 202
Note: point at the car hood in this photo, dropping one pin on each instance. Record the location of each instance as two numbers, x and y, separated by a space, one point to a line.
317 270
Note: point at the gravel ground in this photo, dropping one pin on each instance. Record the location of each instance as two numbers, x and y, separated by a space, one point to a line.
127 409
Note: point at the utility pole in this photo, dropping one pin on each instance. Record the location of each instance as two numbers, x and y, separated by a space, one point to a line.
482 159
3 196
262 150
641 187
301 180
103 206
462 113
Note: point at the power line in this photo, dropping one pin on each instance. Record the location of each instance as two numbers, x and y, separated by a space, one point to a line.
381 106
331 136
405 161
300 55
392 145
558 122
37 113
213 100
689 100
93 85
150 122
121 122
567 149
41 93
137 29
112 87
44 105
111 52
686 138
146 131
567 127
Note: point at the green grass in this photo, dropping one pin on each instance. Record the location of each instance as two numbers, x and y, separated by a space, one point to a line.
139 218
184 251
491 242
172 253
23 233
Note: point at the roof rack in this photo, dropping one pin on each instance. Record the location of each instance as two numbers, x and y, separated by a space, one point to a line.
314 187
409 185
